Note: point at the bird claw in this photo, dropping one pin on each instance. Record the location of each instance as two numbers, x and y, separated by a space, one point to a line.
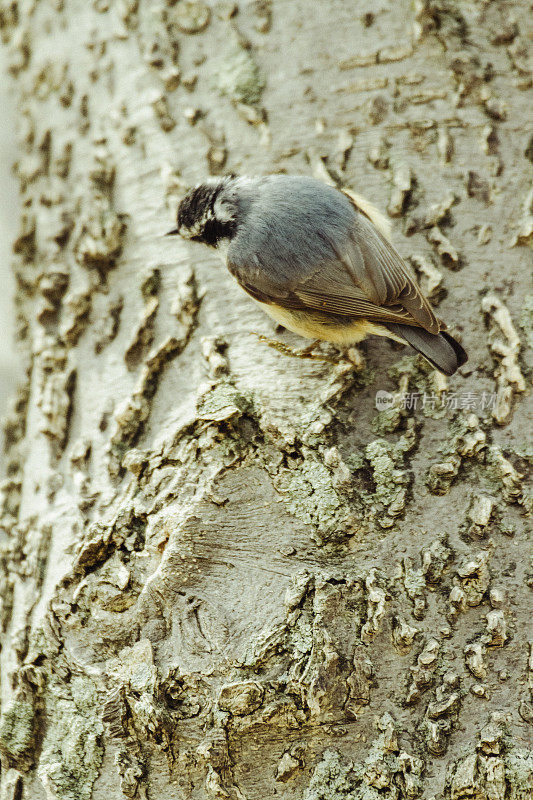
306 352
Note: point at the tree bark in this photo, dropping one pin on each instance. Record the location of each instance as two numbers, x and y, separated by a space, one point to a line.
228 572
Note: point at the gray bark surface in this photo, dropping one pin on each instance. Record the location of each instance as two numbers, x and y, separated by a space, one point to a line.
224 572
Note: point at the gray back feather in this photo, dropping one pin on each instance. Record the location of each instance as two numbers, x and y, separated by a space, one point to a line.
302 241
290 225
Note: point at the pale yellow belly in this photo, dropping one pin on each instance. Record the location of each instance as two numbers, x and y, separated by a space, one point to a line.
315 325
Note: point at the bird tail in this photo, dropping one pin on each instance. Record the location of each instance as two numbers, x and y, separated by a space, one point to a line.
441 349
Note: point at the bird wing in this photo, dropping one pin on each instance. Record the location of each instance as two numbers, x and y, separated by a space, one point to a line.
365 278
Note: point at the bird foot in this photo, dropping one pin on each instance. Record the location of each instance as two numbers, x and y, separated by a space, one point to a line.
306 352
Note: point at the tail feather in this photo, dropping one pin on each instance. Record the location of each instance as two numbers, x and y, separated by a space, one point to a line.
441 350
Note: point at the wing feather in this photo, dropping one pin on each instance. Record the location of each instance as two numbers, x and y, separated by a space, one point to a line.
365 278
353 307
383 274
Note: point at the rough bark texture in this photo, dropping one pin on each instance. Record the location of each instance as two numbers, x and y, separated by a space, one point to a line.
224 573
9 216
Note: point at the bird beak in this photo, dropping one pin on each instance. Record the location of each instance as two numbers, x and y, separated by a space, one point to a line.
173 232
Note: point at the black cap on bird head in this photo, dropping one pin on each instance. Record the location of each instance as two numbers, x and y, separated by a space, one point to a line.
201 219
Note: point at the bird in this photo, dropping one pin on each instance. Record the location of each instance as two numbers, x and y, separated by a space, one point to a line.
318 259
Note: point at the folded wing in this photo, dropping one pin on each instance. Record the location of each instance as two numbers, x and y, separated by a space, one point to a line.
364 278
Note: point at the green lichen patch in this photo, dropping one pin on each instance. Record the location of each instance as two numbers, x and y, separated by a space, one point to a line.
388 420
421 391
17 728
383 458
239 76
72 751
519 773
312 497
315 495
391 480
387 772
222 402
331 779
467 443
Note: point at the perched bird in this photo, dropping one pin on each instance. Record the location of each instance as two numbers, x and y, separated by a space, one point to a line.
317 259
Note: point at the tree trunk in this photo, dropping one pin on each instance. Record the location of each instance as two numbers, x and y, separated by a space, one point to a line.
228 572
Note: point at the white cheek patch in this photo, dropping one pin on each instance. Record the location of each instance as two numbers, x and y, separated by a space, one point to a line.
222 249
223 211
195 230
